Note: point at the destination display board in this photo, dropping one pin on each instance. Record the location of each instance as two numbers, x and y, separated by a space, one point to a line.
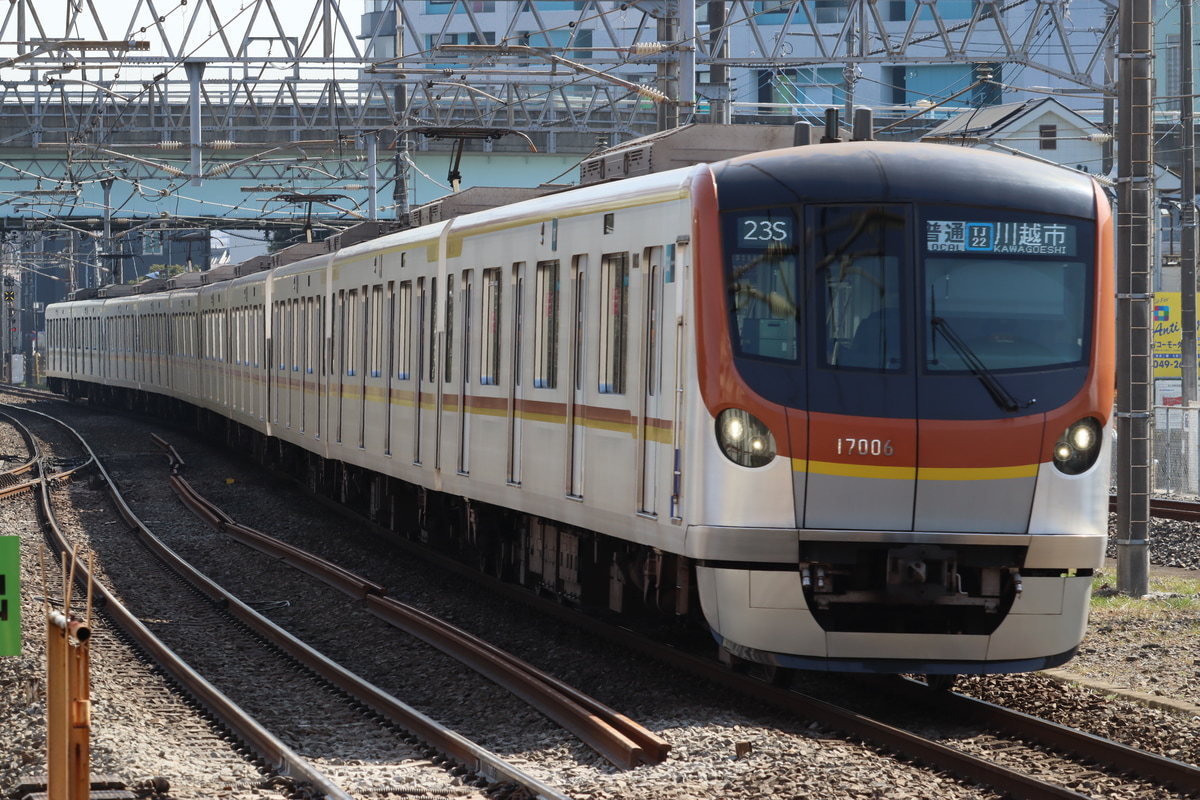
1031 237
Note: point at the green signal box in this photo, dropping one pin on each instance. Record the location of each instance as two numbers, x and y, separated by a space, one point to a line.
10 596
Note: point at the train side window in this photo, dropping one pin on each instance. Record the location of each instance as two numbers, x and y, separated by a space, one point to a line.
614 322
489 356
404 332
545 333
762 279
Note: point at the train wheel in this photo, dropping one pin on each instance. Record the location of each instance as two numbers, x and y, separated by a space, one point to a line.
778 676
940 683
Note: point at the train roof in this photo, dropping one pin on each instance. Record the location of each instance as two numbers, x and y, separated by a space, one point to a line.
849 172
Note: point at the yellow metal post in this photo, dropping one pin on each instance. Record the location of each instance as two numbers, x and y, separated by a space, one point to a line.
57 702
68 706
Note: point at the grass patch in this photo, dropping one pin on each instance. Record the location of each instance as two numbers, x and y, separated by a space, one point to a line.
1169 595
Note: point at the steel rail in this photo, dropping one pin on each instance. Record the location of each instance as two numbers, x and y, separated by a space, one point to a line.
10 480
1167 508
286 761
266 745
1184 777
616 737
962 764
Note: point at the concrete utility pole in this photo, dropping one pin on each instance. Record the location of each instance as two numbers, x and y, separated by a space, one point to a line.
1135 179
1187 208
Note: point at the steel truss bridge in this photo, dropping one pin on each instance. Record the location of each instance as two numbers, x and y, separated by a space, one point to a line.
218 112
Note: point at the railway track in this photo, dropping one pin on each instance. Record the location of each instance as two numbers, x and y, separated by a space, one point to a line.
1174 778
613 735
1182 510
1084 749
206 615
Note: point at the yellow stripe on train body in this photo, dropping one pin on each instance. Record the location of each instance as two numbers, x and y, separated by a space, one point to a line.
914 473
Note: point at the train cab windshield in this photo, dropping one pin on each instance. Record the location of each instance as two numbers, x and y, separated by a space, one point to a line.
902 289
1017 298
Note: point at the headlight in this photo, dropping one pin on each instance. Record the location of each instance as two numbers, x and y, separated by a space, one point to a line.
744 439
1078 447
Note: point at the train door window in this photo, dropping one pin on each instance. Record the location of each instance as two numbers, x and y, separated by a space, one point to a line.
858 254
433 312
763 283
518 331
467 328
420 329
449 338
286 335
277 329
579 334
317 348
489 356
350 333
545 333
404 331
614 322
376 332
653 360
294 343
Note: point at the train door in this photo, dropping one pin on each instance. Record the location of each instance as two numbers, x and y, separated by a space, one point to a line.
861 399
422 357
388 343
275 365
649 422
287 362
339 367
576 418
677 271
295 383
305 360
374 412
320 358
443 340
405 375
464 415
360 327
515 396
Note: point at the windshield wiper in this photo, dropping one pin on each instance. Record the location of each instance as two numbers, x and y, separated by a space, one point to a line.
1000 395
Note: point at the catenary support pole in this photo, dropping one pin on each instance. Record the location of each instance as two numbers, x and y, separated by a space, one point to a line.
1135 157
1187 208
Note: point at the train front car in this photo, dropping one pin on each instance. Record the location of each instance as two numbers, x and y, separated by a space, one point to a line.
905 364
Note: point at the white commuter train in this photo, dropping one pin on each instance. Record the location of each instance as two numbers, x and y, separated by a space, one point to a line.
845 401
